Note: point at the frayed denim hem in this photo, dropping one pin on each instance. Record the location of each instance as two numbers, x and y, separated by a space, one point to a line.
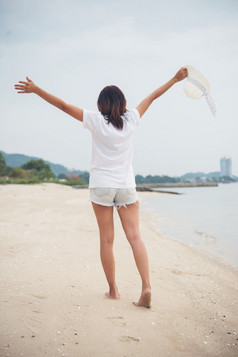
125 205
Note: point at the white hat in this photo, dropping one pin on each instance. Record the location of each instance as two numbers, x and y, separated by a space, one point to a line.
196 86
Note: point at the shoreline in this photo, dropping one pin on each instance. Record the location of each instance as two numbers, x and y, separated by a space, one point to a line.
52 284
176 219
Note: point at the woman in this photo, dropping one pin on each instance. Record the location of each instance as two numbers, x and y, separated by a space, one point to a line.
112 181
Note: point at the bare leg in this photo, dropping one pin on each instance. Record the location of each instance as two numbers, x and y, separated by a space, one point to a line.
104 217
130 221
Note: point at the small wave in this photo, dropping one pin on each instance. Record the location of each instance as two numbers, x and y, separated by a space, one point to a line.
208 238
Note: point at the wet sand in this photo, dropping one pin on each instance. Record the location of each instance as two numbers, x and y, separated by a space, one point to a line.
53 287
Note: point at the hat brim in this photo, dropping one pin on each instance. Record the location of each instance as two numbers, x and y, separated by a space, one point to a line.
191 90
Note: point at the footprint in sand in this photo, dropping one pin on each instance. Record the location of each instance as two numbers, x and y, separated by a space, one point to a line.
39 296
179 272
129 339
117 320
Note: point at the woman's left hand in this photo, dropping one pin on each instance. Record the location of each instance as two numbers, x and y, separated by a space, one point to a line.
181 74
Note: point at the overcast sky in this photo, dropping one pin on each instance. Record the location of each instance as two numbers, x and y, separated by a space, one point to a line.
74 48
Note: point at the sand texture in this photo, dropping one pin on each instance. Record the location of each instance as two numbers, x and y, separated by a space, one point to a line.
52 285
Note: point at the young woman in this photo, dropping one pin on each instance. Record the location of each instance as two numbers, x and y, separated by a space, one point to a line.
112 181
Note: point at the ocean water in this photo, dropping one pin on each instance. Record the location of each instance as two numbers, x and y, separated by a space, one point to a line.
206 217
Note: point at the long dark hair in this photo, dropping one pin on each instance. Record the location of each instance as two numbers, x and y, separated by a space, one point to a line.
112 105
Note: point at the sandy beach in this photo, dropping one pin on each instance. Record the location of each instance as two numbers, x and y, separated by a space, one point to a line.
53 285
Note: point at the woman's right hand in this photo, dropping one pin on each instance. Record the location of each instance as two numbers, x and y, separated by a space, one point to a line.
26 87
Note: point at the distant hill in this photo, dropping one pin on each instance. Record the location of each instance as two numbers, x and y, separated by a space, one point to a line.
16 160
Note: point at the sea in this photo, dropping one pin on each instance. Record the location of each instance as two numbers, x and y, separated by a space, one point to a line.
206 217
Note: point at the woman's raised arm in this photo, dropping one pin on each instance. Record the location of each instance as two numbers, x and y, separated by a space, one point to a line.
31 87
144 105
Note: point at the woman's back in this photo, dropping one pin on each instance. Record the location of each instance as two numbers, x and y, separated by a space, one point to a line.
111 164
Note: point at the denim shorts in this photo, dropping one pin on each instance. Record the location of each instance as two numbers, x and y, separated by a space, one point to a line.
113 196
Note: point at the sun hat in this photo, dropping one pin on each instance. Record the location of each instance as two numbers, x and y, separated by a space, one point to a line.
196 86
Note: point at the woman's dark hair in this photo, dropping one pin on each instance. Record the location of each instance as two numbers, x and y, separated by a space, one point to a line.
112 105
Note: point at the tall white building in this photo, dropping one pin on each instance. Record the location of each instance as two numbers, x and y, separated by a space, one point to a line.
226 167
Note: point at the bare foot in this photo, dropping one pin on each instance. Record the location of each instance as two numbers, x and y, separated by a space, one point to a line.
115 297
113 294
144 300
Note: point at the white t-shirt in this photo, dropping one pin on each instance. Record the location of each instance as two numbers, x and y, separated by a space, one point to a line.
111 164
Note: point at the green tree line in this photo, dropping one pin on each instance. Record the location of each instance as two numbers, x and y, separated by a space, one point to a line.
156 179
35 171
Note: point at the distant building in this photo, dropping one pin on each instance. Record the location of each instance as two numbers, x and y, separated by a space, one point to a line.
226 167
